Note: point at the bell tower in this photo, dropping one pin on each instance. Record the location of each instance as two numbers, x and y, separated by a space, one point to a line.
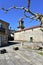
21 24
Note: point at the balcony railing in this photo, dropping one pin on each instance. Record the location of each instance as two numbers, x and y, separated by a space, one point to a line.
2 29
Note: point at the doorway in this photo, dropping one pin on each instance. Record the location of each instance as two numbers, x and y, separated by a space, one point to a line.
31 39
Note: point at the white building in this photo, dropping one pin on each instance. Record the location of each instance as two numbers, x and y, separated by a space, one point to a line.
33 34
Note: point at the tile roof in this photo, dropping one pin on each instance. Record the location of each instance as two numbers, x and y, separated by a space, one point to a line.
28 28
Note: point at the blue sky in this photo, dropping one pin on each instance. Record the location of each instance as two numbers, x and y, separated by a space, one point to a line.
14 15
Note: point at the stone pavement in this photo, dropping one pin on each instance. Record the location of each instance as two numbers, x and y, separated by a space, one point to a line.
20 57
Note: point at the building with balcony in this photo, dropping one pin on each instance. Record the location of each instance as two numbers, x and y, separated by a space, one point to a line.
4 31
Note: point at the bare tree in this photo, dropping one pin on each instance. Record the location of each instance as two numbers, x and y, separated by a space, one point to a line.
33 15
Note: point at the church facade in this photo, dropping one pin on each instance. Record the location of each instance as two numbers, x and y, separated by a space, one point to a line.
33 34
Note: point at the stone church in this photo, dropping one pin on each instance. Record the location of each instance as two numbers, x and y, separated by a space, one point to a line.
33 34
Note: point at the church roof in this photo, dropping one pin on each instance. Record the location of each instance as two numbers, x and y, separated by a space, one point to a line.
28 28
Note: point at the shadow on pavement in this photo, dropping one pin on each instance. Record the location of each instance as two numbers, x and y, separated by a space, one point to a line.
9 44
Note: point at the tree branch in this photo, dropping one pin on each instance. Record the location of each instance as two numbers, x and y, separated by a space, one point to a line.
31 17
37 16
28 4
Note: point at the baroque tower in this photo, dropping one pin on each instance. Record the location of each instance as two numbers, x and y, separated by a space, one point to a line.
21 24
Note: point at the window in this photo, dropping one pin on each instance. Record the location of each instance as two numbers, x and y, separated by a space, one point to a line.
1 25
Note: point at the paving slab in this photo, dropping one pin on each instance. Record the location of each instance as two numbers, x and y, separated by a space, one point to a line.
20 57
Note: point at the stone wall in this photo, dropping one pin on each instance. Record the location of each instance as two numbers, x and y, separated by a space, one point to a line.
35 34
4 35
